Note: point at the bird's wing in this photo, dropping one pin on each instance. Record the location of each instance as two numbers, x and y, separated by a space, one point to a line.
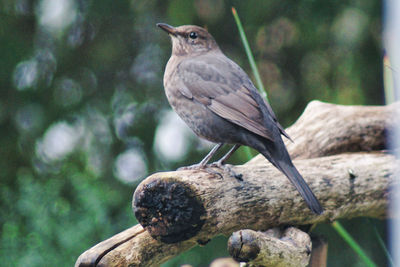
224 88
281 129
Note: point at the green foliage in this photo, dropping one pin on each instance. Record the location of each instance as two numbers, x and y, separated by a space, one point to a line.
81 102
50 220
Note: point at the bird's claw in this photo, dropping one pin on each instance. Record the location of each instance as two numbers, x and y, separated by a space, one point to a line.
227 168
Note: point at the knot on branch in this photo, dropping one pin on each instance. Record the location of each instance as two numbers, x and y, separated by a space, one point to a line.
168 210
290 247
242 245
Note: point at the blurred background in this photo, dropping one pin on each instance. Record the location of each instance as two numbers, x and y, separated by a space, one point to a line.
84 118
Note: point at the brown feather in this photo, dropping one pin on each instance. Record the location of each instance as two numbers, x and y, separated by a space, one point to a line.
228 98
239 118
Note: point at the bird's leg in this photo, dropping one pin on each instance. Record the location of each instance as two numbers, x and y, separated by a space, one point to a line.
221 163
204 161
222 160
207 158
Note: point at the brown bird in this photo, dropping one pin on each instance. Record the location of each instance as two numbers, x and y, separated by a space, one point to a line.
218 101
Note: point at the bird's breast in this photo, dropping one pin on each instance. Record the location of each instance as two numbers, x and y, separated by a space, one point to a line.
195 114
200 119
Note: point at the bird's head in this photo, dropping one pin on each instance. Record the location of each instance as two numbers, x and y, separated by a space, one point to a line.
189 39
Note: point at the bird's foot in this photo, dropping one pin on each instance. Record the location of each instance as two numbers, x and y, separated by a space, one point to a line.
227 168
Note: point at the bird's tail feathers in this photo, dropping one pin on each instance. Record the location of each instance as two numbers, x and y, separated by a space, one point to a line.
297 180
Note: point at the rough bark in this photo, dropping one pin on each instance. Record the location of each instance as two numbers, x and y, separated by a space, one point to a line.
348 185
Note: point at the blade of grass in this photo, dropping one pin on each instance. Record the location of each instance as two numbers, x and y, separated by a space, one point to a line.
247 152
353 244
388 81
253 66
381 242
249 55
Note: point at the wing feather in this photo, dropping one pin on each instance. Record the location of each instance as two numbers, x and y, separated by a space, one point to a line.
224 88
237 117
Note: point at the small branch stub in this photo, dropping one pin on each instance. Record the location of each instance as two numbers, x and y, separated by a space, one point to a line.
275 248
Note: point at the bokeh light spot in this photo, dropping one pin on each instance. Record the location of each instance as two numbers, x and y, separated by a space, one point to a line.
55 15
25 74
349 26
130 166
172 137
59 140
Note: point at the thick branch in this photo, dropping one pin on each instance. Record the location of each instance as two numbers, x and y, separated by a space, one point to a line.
347 185
195 206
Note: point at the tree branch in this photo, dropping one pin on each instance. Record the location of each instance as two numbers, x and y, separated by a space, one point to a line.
184 208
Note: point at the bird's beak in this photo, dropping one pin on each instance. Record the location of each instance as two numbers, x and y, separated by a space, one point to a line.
168 28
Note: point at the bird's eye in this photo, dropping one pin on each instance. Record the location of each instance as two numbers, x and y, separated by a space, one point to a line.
193 35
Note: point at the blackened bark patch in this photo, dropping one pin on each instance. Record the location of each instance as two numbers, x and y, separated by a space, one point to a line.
168 210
